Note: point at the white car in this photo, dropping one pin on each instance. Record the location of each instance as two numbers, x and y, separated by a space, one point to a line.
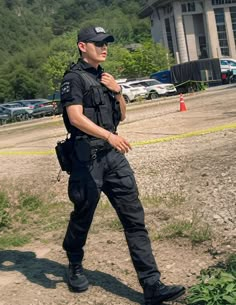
228 64
154 87
132 93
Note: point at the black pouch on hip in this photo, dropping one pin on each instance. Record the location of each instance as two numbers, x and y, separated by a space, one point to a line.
83 149
64 150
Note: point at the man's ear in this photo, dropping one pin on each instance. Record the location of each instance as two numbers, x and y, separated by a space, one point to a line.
82 46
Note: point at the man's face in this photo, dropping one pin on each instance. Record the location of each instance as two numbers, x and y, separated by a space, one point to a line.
94 52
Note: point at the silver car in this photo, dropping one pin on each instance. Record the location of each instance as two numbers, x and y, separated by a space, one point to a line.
17 112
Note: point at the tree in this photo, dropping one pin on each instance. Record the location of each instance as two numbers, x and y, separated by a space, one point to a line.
22 84
149 57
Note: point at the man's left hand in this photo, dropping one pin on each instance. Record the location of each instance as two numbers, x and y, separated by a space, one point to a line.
109 81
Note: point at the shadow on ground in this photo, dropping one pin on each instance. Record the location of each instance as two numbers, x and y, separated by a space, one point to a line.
48 273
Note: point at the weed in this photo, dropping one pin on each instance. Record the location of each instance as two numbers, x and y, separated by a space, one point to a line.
177 229
217 286
151 200
29 202
168 200
104 204
115 225
13 240
5 218
196 232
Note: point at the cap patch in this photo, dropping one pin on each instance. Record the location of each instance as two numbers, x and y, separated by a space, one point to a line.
99 30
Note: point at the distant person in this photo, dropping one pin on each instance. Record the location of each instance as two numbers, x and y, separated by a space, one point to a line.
93 106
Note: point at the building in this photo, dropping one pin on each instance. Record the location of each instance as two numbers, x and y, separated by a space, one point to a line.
193 29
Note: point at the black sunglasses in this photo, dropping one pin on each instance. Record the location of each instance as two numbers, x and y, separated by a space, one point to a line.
99 44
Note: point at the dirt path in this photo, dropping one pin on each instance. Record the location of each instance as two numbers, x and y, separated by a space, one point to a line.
200 168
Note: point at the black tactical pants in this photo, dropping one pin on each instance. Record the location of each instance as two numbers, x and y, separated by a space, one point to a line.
110 173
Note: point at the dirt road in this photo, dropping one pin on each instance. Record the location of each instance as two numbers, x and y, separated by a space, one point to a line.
176 162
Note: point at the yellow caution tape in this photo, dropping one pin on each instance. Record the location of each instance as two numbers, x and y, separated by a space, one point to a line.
186 135
139 143
44 152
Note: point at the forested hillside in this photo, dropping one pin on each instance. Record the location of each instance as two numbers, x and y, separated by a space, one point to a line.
38 40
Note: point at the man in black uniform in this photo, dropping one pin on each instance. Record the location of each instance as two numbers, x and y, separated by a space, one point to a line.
93 106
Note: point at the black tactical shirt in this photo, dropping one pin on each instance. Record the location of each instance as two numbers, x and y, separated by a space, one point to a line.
72 86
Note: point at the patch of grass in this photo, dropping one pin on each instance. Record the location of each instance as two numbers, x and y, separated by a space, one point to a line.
151 200
115 225
5 218
175 199
29 206
104 204
177 229
13 240
196 232
217 286
30 202
169 200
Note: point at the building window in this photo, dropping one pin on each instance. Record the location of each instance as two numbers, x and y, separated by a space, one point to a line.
233 18
220 2
168 9
169 36
188 7
202 47
221 30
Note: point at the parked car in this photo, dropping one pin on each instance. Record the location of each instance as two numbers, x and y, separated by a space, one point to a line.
228 69
28 103
154 87
131 93
227 64
55 98
16 111
4 116
43 108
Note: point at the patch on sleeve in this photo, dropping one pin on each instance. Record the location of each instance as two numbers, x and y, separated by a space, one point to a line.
65 88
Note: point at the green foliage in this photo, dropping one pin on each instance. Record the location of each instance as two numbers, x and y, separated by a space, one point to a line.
5 218
38 41
149 57
197 232
30 202
115 225
13 240
216 286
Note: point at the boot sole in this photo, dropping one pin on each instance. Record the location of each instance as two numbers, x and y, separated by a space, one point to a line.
174 297
78 289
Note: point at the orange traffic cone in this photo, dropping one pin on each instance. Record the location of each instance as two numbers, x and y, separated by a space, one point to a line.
181 103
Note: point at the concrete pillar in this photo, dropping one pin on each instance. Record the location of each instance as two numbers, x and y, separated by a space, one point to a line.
230 34
190 37
180 32
174 41
163 27
214 48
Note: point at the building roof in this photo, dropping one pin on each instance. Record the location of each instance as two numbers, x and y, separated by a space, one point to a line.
148 8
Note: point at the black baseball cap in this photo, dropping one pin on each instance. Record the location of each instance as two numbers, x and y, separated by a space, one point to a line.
94 34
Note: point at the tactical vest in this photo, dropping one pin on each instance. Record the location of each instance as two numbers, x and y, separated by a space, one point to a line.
99 104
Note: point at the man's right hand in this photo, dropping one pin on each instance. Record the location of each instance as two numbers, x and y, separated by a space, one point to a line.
119 143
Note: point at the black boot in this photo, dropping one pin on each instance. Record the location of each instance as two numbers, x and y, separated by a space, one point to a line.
77 280
158 293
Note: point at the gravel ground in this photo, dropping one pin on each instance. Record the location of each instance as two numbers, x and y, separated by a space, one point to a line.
195 174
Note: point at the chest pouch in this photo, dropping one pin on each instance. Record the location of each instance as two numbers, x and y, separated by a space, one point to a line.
102 106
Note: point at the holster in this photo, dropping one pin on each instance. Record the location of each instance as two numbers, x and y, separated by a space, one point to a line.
64 150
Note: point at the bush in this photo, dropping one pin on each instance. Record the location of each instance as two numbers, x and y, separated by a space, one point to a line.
217 286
